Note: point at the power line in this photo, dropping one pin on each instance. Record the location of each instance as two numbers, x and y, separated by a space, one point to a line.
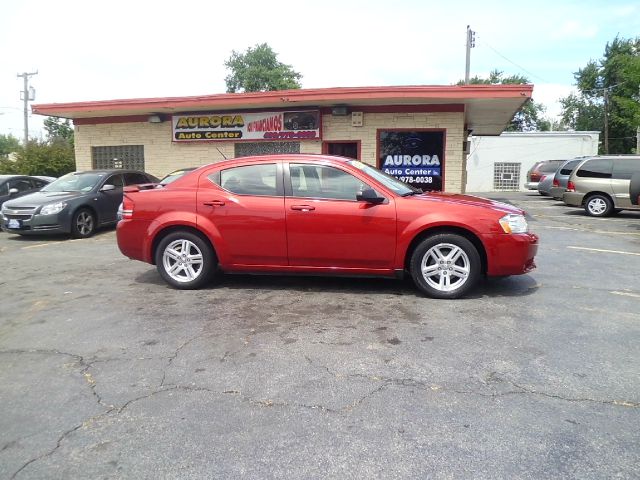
514 63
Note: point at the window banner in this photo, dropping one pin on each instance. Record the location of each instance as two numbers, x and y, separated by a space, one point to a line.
415 157
229 126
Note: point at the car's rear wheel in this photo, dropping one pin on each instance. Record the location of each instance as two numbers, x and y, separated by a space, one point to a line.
83 223
185 260
445 265
598 205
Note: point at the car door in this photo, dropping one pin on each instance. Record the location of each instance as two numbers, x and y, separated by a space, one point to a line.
109 200
245 204
623 170
328 227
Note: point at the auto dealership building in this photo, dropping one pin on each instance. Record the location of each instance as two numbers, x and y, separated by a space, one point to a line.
417 133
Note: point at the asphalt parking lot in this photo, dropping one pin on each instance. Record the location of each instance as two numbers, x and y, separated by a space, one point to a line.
105 372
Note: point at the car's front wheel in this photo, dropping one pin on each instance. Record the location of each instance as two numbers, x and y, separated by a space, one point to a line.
445 265
83 223
185 260
598 205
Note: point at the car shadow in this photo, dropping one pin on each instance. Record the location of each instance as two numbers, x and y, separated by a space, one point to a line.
515 286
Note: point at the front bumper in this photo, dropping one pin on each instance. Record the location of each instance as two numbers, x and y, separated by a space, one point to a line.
510 254
25 223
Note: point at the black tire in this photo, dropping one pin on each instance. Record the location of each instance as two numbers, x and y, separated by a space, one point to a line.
83 223
598 205
185 260
436 279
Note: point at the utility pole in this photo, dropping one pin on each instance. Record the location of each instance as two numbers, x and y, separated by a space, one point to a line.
606 121
471 42
26 95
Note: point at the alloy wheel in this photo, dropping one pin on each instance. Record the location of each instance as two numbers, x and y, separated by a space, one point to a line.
84 223
445 267
182 260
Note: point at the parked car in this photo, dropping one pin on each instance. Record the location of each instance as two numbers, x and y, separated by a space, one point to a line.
76 203
602 184
561 177
14 186
540 168
318 214
545 184
164 181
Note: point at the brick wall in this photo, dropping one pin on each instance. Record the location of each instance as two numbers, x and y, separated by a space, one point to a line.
162 155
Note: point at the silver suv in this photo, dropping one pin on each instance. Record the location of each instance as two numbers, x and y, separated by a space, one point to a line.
602 184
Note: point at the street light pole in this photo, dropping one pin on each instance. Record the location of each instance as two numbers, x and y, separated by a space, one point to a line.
471 42
26 96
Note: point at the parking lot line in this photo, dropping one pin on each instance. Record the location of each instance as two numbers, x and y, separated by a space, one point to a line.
603 250
38 245
626 294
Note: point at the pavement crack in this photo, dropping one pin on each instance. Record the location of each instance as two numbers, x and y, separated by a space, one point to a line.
49 453
172 357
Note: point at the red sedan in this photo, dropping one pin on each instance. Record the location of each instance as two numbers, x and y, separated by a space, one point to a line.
320 214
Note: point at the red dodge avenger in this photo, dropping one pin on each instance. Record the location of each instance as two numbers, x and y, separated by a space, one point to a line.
317 214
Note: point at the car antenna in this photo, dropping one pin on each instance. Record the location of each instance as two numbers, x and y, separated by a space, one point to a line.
223 155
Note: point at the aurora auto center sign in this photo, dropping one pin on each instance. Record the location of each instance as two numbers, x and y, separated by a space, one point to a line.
414 157
229 126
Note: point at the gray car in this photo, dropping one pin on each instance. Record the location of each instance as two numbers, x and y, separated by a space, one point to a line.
561 177
77 203
14 186
545 184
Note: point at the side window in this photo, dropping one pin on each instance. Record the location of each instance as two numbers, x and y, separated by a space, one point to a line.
568 168
550 167
115 180
135 179
599 168
38 183
316 181
249 179
624 168
4 188
22 185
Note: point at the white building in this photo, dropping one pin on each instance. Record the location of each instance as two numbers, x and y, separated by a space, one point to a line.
502 162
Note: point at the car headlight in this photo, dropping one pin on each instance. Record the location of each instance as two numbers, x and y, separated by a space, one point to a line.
52 208
513 223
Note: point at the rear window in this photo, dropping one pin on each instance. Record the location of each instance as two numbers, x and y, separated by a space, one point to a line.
550 167
569 167
597 168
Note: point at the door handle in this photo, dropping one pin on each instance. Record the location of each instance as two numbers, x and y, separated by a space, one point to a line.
303 208
214 203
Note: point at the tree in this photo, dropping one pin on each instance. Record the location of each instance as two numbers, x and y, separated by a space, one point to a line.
58 129
530 116
618 74
258 70
8 144
52 158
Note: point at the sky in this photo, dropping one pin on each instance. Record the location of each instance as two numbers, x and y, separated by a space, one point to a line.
85 50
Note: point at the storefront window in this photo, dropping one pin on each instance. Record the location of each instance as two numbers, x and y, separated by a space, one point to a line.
415 157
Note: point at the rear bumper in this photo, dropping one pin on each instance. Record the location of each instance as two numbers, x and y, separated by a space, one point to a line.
510 254
133 240
557 192
573 198
531 185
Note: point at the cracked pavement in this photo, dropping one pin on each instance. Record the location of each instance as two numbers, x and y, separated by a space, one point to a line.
105 372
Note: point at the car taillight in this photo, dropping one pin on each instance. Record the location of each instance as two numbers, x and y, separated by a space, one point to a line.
556 183
543 177
127 207
570 186
535 177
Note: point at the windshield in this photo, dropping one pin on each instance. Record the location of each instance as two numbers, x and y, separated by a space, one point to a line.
392 183
74 182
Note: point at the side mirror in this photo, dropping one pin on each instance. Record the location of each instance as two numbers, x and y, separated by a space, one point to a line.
369 195
12 191
107 188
